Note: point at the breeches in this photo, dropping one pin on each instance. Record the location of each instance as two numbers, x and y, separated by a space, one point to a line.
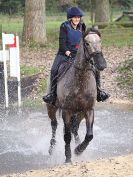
59 59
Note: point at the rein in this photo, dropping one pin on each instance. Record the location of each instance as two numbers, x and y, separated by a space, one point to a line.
86 57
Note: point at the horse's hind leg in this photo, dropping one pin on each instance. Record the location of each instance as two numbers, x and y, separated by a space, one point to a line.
89 132
67 134
52 115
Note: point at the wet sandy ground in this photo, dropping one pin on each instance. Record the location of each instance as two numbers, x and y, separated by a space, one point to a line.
113 167
24 145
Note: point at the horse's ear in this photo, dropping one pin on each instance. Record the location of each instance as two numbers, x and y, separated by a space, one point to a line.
83 33
86 32
95 29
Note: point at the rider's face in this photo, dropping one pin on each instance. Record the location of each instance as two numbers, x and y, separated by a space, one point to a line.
75 20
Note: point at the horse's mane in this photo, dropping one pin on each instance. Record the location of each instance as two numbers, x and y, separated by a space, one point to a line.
93 30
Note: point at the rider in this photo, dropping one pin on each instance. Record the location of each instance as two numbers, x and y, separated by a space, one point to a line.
69 38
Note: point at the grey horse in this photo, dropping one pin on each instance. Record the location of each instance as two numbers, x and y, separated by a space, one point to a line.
76 95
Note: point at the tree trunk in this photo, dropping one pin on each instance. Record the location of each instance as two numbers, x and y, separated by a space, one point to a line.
102 11
92 11
34 29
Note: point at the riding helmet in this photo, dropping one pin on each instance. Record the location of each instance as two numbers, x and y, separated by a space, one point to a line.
73 12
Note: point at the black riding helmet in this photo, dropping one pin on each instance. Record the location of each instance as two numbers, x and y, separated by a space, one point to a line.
73 12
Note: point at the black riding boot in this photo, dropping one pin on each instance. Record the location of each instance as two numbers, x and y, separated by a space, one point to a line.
101 94
51 97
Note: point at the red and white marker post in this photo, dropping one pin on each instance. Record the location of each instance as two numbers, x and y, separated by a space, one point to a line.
12 42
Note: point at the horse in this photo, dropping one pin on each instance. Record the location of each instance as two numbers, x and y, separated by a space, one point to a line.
76 95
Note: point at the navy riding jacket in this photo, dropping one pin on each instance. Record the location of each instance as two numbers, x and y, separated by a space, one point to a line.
69 38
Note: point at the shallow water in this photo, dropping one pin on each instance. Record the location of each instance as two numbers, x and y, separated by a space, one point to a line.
25 137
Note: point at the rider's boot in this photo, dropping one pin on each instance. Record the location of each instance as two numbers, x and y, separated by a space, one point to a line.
101 94
51 97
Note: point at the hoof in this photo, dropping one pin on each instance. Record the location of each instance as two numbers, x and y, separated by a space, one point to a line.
50 151
68 161
78 151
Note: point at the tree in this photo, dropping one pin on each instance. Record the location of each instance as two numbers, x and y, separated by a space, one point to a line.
124 4
102 11
63 2
12 6
34 29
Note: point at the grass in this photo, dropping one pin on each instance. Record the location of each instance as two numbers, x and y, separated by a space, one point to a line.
33 104
11 24
42 86
112 35
36 103
30 70
125 78
118 37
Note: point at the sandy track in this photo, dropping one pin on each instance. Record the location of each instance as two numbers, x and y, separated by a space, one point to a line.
121 166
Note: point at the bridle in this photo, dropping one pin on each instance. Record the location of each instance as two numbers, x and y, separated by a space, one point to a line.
88 55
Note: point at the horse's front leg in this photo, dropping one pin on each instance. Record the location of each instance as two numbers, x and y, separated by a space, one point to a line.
53 140
89 116
67 134
52 115
75 121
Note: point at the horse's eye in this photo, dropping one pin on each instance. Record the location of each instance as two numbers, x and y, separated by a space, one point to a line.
87 43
